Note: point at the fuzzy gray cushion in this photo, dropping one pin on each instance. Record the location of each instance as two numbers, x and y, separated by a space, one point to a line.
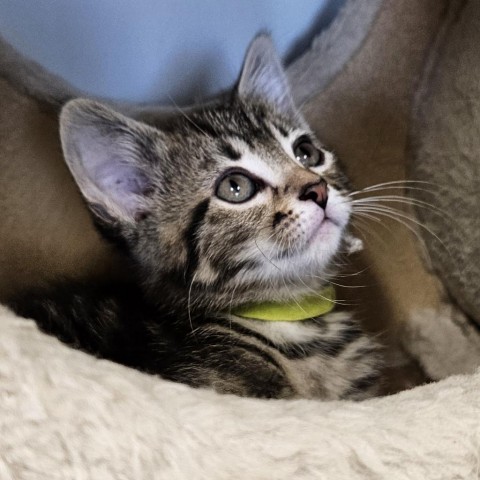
445 144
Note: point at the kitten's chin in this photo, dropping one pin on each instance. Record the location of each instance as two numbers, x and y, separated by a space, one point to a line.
304 271
323 244
326 235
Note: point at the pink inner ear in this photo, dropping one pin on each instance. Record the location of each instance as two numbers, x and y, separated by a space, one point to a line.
122 184
106 155
122 178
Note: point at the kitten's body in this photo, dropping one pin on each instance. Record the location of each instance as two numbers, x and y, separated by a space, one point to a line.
233 204
327 357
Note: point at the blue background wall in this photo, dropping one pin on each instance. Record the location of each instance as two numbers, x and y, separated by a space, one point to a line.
155 50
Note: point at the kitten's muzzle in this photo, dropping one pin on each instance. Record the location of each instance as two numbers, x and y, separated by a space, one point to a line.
316 192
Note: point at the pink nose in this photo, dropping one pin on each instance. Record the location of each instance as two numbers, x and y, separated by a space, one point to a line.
317 192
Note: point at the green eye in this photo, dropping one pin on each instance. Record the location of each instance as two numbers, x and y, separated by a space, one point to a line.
236 188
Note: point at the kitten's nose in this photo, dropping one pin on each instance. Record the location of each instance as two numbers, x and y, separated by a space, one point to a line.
317 192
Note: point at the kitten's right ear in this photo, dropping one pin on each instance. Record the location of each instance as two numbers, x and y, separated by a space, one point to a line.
264 78
106 153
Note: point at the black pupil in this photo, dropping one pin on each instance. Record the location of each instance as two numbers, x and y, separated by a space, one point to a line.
305 153
235 187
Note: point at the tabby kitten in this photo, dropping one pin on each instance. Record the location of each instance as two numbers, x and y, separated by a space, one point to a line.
236 203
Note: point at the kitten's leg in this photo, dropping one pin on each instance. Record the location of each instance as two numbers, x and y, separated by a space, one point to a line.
229 364
326 359
329 357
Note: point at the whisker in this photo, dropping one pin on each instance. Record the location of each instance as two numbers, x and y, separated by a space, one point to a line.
318 295
181 111
397 216
361 224
189 302
397 199
339 284
387 201
398 184
354 274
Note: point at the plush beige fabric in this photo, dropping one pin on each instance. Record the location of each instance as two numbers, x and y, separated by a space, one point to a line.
67 416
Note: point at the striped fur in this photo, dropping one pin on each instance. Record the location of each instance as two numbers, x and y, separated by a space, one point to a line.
327 358
152 188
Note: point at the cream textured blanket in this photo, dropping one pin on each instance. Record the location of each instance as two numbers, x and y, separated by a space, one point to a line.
65 415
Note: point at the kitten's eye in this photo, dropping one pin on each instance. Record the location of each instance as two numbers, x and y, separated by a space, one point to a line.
236 188
307 154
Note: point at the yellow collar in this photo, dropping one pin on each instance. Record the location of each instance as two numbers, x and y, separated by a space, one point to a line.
303 309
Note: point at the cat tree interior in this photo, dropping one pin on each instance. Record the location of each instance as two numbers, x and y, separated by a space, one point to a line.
68 415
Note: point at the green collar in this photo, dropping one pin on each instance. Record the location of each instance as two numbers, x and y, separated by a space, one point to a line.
303 309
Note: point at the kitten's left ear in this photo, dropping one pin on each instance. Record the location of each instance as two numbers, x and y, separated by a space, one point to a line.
110 157
263 77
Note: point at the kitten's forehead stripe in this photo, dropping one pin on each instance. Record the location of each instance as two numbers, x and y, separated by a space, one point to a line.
203 126
229 151
246 124
283 131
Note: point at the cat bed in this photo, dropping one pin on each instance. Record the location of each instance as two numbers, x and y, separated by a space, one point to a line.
65 414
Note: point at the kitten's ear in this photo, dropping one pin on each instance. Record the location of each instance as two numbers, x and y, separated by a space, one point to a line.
106 153
263 77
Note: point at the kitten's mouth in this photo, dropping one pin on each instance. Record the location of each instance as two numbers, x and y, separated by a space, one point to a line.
321 233
327 225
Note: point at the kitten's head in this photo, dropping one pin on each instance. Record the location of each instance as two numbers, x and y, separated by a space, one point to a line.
233 202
